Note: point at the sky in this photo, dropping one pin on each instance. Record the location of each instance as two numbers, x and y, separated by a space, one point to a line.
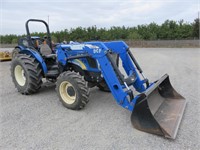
66 14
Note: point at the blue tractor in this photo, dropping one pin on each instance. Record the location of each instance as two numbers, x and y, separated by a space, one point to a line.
75 67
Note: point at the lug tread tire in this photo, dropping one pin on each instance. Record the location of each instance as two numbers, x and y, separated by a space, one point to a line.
80 86
15 52
33 73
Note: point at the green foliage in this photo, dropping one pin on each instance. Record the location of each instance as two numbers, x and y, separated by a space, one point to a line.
54 39
134 36
196 28
14 41
169 30
8 39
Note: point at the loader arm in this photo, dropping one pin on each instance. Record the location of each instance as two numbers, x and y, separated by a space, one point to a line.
114 79
157 109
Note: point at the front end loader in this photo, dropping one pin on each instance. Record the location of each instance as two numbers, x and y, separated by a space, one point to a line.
156 107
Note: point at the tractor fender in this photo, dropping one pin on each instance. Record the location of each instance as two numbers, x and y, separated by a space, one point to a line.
37 56
20 47
79 63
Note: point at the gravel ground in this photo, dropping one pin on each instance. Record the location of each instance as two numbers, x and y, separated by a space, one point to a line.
40 121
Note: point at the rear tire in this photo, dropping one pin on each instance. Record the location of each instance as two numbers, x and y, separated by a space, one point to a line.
72 90
15 52
26 74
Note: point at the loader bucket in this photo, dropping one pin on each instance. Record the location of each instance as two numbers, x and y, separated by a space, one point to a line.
159 110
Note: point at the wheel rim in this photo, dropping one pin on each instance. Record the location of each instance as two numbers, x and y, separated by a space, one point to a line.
67 92
20 75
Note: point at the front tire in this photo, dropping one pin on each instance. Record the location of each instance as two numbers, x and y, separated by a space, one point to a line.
26 74
72 90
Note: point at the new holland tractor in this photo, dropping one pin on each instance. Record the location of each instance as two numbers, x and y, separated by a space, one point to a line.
75 67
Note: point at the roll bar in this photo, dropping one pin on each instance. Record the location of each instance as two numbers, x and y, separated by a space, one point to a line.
28 31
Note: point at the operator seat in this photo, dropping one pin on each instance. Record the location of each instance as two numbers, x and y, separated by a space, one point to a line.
46 51
49 58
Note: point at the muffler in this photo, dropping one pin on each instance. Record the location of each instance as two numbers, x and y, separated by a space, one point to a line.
159 109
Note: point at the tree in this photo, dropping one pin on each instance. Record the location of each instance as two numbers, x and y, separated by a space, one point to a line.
14 41
196 28
169 30
54 39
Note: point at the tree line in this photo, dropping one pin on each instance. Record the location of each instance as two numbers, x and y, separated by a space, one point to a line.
169 30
